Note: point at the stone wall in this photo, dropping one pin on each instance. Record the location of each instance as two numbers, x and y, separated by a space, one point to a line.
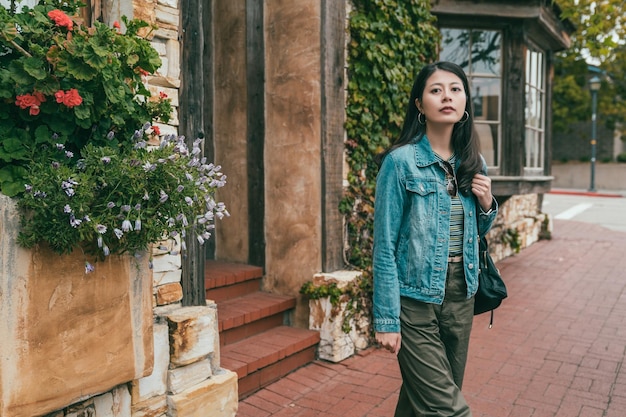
519 224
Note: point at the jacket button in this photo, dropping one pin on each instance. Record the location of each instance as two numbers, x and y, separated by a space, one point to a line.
471 240
470 266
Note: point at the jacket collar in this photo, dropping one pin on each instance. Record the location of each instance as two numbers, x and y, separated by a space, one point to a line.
424 154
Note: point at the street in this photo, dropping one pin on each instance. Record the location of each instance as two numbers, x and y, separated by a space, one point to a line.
609 212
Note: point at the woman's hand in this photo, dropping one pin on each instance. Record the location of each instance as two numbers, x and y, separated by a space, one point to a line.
481 188
390 341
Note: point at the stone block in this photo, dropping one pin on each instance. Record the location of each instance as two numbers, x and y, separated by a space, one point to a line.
192 333
169 293
155 384
67 335
215 397
163 263
166 277
167 17
169 3
153 407
335 344
180 379
115 403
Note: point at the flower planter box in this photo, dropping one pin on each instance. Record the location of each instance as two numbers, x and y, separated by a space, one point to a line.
67 335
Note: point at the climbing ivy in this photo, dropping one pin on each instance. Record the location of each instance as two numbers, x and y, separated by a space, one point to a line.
390 41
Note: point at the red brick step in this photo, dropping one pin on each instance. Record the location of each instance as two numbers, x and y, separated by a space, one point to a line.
264 358
254 342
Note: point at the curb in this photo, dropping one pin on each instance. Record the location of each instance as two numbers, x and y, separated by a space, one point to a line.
586 193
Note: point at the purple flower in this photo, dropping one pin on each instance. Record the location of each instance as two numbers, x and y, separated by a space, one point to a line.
183 245
163 197
89 268
105 159
125 208
28 188
126 225
138 224
146 126
55 164
189 176
69 154
106 250
148 167
70 192
180 188
86 218
200 239
67 208
74 222
146 197
140 144
100 228
189 201
110 204
40 194
137 134
118 233
110 135
100 241
55 136
173 233
137 206
59 146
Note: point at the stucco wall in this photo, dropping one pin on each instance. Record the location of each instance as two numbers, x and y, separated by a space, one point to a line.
230 126
292 150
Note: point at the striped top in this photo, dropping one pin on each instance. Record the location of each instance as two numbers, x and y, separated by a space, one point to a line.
456 220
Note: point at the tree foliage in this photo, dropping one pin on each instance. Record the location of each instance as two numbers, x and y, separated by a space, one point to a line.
598 40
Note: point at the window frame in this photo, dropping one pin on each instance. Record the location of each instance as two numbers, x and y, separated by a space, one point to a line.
495 165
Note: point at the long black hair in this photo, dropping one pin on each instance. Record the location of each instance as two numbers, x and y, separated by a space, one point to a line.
464 140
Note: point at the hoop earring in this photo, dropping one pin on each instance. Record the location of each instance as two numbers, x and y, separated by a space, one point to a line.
420 120
463 120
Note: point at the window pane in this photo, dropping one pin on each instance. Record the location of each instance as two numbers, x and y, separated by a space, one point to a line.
486 98
488 137
485 52
455 47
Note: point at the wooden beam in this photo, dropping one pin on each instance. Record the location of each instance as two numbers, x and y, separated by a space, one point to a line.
191 126
255 67
333 120
208 104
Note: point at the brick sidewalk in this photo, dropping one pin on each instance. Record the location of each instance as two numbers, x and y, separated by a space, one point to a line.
556 348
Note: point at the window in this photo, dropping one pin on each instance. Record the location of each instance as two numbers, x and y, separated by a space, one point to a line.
534 120
479 53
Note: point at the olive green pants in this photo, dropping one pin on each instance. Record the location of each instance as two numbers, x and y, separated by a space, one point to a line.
435 340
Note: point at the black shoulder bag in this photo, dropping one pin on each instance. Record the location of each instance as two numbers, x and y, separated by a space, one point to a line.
491 288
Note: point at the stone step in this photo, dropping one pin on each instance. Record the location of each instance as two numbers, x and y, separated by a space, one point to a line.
264 358
226 280
251 314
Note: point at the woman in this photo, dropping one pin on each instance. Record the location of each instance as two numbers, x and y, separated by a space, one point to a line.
432 201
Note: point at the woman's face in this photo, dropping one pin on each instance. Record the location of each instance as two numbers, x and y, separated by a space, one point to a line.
443 100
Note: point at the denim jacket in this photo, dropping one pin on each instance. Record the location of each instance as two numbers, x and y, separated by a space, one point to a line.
412 232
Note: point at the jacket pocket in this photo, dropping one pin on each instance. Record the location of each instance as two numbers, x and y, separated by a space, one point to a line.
421 234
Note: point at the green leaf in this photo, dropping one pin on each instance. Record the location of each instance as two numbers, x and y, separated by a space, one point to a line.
94 59
42 134
82 112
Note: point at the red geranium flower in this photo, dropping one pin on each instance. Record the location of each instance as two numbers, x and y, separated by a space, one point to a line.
31 102
70 98
61 19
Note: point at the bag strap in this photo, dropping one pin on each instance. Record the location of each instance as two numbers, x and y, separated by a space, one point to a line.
478 231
